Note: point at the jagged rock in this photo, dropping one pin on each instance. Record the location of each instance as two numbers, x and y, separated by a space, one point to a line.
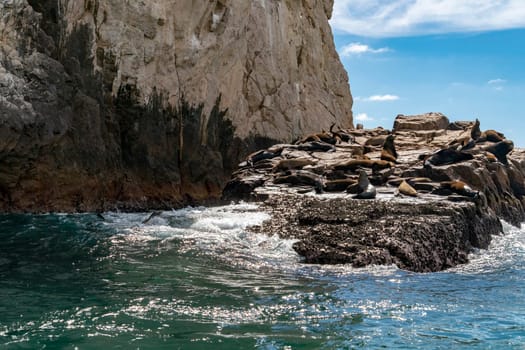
461 196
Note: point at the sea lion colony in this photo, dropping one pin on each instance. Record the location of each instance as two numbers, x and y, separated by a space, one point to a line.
404 162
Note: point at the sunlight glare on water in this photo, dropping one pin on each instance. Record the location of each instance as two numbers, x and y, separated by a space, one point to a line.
195 278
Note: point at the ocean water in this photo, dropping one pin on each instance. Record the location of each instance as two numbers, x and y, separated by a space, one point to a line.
194 279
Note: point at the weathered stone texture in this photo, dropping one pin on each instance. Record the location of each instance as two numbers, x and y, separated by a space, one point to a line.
109 103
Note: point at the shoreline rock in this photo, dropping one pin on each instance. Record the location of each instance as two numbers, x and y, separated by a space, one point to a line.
463 188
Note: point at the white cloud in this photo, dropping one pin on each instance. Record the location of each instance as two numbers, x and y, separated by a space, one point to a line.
358 48
377 98
393 18
497 81
363 117
497 84
382 98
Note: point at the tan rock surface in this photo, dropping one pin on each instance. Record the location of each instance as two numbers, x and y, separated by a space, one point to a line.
274 62
91 112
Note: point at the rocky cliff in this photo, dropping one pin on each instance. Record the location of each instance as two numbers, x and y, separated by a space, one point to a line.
107 103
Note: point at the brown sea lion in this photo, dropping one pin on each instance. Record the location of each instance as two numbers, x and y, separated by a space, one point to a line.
475 132
460 188
389 150
262 155
447 156
407 190
491 157
467 144
338 185
322 136
294 163
500 150
301 178
341 135
353 164
316 146
376 141
366 189
492 136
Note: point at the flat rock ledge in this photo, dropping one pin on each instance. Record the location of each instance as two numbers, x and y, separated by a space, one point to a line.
308 187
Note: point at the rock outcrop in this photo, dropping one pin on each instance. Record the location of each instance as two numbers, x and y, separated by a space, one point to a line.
439 194
113 103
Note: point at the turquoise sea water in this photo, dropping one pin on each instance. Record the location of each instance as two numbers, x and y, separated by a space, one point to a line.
193 279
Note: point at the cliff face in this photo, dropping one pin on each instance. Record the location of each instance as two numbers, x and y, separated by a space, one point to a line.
133 103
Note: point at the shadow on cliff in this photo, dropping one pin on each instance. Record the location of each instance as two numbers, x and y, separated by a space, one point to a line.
81 148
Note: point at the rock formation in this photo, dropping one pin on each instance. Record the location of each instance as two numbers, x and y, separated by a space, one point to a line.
108 103
456 190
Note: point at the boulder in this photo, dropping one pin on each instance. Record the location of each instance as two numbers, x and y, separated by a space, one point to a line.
427 121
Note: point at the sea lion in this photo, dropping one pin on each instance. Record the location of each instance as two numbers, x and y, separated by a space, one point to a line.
314 146
447 156
322 136
340 135
475 132
406 189
294 163
492 136
455 126
467 144
338 185
262 155
299 177
389 150
460 188
500 150
359 126
376 141
353 164
366 189
491 157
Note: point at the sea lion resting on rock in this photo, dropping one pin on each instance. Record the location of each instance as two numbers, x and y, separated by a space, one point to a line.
447 156
353 164
376 141
294 163
314 146
365 189
300 177
407 190
322 136
262 155
491 135
500 150
340 135
389 150
460 188
338 185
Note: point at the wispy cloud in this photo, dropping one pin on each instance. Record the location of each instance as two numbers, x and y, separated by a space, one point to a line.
497 84
363 117
392 18
497 81
377 98
358 49
382 98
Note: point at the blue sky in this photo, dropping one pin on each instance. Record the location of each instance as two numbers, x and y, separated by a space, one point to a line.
415 56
